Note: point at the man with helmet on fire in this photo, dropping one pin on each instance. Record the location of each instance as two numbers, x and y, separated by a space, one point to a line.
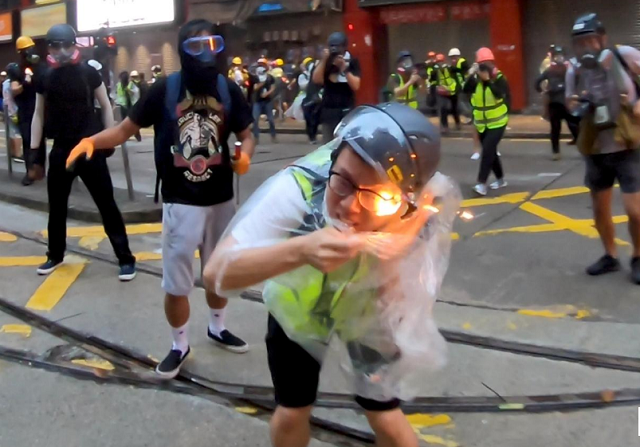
305 232
23 88
603 93
65 112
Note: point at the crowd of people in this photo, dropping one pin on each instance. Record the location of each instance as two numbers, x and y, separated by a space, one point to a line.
339 238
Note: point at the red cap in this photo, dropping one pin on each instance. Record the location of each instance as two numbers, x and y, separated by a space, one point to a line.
440 58
484 54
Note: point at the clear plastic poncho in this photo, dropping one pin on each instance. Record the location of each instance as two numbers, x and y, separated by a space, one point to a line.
380 304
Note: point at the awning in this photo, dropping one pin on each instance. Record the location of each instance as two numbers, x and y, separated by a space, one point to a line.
228 11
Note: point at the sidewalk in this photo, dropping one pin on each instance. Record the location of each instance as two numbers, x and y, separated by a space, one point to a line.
520 126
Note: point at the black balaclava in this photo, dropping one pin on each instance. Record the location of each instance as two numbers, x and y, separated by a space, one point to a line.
199 77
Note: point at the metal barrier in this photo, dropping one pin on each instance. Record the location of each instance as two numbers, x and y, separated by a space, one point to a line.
125 157
5 111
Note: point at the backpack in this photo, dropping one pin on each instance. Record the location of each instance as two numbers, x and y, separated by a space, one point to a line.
172 95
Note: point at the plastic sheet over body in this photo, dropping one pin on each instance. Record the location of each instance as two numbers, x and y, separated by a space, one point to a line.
380 304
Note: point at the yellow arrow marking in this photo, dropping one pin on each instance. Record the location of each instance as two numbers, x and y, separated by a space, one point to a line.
21 329
99 364
90 242
54 287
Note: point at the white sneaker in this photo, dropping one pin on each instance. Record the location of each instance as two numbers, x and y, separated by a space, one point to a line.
475 156
499 184
480 189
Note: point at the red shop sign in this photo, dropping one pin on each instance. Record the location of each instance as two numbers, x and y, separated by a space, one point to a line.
421 13
471 10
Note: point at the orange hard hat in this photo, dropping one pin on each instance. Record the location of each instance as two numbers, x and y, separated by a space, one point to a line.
431 54
484 54
440 58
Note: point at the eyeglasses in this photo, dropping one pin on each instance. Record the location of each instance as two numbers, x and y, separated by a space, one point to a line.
382 203
61 45
196 46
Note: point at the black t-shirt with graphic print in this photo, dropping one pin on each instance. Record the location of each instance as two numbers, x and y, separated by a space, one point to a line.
192 154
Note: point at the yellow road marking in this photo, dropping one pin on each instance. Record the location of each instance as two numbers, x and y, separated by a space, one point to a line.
99 230
540 228
557 312
565 222
22 261
7 237
455 236
99 364
466 326
421 420
545 313
246 410
21 329
90 242
515 197
148 256
54 287
561 192
437 440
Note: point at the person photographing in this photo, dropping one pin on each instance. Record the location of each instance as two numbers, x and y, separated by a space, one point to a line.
339 73
406 82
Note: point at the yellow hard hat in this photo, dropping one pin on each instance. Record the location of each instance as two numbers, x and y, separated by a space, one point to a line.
279 62
24 42
307 60
236 61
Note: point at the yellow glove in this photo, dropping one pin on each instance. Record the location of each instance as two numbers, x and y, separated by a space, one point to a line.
241 165
84 148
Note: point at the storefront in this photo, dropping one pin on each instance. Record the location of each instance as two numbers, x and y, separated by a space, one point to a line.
146 31
549 22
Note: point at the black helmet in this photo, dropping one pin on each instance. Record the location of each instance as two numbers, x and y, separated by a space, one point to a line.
403 54
557 49
13 71
61 33
588 24
337 39
398 141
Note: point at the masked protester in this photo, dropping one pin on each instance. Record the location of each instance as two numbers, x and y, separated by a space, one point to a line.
490 99
447 88
317 234
339 73
23 89
603 94
406 82
67 89
263 90
156 72
554 80
193 113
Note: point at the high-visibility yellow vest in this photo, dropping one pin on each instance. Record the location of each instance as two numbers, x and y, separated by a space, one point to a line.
460 75
446 80
310 304
488 112
410 98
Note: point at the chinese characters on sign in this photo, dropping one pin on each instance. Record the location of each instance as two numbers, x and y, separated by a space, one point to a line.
474 10
429 13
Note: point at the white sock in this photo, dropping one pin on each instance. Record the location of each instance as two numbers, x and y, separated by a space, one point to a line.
180 338
216 321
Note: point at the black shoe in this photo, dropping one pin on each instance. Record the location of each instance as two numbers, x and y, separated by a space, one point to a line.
48 267
127 272
170 366
605 264
635 270
572 142
228 341
26 180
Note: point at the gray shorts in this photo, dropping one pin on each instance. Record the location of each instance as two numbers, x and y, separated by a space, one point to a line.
604 169
185 229
14 131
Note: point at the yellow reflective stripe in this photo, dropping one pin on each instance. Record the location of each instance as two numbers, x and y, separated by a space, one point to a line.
305 185
411 96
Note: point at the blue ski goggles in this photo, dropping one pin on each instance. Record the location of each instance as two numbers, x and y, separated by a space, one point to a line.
203 48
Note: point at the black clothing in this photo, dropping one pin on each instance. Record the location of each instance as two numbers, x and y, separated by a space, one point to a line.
555 77
490 139
338 94
557 113
192 154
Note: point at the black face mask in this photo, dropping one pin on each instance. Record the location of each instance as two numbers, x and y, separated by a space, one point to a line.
590 60
29 56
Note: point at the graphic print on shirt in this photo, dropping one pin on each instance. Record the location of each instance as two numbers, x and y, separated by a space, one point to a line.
199 122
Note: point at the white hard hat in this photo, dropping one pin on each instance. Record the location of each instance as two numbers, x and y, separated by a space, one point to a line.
95 64
454 52
134 73
4 73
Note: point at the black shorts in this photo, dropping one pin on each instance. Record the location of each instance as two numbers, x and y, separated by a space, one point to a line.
296 374
603 170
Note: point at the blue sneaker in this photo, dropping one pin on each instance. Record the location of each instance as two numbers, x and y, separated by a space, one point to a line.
48 267
127 272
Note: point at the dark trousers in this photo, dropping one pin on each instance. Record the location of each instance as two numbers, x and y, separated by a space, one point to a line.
95 175
31 157
449 103
557 113
490 139
330 120
311 121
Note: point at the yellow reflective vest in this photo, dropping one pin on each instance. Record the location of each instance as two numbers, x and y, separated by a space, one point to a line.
446 80
410 98
460 75
488 112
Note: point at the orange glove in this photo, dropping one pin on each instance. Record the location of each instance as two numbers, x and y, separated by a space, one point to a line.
85 148
241 165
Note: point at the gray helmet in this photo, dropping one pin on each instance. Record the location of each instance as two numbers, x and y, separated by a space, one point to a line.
403 54
588 24
398 141
61 33
337 39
